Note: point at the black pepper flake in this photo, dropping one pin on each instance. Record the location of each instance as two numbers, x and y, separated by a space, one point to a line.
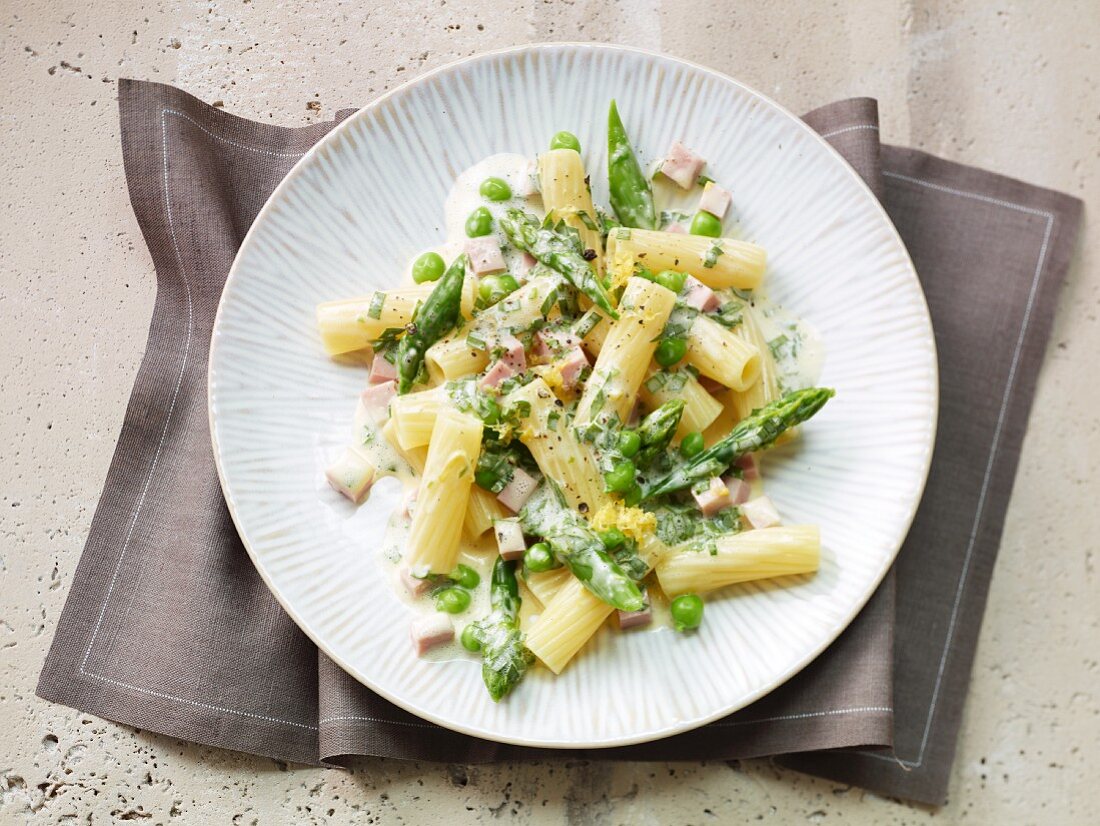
589 255
583 507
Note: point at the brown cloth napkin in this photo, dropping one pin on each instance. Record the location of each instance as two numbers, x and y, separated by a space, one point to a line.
169 628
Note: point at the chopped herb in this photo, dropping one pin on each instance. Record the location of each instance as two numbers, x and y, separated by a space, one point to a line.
711 257
376 302
476 342
586 219
729 314
703 180
672 216
622 234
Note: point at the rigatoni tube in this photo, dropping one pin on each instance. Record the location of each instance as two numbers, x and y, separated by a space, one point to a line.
444 493
717 262
721 355
566 197
626 352
742 557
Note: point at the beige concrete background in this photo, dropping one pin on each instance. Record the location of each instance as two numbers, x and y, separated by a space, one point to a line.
1008 86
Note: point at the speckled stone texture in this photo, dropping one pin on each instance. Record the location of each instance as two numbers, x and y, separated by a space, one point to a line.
1014 87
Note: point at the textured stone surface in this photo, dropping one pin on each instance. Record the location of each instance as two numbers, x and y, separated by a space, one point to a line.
1008 86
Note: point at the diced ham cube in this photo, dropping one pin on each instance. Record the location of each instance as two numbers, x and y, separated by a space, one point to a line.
715 200
497 373
352 475
682 165
416 586
699 295
485 255
677 228
510 539
739 489
513 356
528 186
381 370
714 498
710 385
636 619
572 367
548 343
376 399
429 631
760 512
750 471
526 261
518 491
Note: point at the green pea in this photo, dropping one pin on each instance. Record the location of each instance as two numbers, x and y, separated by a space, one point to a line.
465 576
428 267
495 189
687 612
469 638
565 140
692 445
612 538
670 350
486 479
629 443
706 224
452 600
539 558
479 223
672 280
621 477
494 287
633 496
642 272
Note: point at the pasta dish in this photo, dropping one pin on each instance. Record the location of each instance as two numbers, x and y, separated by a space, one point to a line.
575 402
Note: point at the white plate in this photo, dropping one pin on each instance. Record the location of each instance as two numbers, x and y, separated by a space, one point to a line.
370 195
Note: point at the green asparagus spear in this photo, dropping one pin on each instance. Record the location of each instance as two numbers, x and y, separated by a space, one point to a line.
504 657
579 548
433 320
555 251
656 430
755 432
631 196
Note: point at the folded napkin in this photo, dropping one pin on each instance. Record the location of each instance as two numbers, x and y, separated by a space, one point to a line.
169 628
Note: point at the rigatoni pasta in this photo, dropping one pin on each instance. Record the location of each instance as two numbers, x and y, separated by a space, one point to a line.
719 263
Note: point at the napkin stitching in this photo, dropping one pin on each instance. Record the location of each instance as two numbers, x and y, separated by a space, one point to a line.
164 434
1009 385
376 720
836 132
807 714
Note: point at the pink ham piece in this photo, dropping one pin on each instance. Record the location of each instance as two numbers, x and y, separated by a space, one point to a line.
376 399
760 512
510 541
635 619
710 385
739 489
715 200
528 186
682 165
518 491
572 367
381 371
676 228
750 471
699 295
716 497
548 343
352 475
428 632
485 255
497 373
513 356
416 586
526 261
